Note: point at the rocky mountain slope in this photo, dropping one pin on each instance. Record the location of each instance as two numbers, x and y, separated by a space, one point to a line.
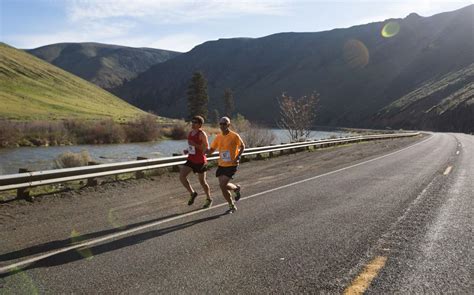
362 73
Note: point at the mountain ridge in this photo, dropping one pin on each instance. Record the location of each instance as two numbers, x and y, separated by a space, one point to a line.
357 71
105 65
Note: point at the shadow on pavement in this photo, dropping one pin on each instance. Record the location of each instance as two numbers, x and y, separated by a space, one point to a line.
78 254
58 244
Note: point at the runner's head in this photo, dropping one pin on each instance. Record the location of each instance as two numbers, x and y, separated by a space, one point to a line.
196 122
224 124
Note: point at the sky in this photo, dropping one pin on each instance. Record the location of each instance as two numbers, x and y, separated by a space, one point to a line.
180 25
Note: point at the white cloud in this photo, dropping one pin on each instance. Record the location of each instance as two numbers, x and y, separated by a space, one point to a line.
173 11
97 31
178 42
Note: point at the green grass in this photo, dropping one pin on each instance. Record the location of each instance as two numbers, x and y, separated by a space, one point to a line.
32 89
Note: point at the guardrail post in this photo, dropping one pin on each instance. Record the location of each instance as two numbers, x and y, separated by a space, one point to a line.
282 152
175 168
140 174
92 181
23 193
271 154
259 156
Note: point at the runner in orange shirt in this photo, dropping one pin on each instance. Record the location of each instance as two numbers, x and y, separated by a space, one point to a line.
230 147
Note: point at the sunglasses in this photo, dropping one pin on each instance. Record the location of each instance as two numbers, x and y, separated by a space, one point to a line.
223 124
194 122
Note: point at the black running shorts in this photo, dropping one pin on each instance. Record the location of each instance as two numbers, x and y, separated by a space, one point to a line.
227 171
197 168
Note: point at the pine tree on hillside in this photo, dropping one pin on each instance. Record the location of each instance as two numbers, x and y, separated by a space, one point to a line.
229 106
197 96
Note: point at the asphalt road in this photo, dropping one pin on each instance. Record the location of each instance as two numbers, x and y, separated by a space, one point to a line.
316 234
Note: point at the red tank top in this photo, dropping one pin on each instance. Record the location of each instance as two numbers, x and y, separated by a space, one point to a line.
196 155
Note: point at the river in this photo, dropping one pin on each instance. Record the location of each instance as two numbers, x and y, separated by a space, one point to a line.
42 158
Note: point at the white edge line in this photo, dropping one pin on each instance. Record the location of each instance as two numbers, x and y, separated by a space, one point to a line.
26 262
446 172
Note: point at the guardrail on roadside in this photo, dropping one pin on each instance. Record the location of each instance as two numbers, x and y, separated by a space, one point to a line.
22 181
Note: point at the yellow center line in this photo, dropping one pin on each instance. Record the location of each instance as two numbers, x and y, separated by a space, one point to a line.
363 280
446 172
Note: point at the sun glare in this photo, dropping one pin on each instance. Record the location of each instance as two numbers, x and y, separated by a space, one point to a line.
390 29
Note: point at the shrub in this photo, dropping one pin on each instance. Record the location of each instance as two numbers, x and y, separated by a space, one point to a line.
9 133
94 132
142 129
252 134
69 159
239 124
177 131
41 133
257 136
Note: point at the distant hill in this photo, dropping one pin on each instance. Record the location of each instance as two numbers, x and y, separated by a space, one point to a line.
444 104
107 66
358 72
31 88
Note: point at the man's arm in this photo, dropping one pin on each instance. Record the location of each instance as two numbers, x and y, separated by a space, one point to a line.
204 142
241 151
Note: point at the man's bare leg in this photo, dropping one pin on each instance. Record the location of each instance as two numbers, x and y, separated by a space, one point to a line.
183 177
223 183
204 184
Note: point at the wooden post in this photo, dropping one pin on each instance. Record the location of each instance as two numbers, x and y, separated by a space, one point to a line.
92 181
271 154
23 193
282 152
140 174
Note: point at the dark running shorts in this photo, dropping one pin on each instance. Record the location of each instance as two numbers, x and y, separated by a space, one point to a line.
227 171
197 168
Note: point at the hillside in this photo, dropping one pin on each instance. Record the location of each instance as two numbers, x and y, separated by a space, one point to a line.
31 88
443 104
357 71
107 66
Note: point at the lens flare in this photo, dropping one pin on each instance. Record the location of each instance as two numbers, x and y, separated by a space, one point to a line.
113 220
76 238
390 29
356 54
18 282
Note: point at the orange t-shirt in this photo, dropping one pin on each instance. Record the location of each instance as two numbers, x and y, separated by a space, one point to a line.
228 147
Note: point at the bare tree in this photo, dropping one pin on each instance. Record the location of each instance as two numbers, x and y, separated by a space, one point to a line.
297 115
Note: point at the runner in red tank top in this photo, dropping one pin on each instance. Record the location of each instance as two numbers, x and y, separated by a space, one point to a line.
197 161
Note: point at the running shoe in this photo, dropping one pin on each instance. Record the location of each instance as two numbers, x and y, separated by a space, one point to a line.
192 198
207 204
232 209
237 193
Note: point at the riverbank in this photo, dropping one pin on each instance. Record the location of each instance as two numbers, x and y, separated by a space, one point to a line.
144 128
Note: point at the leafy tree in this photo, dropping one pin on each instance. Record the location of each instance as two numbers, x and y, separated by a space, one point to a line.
197 96
214 117
229 106
297 115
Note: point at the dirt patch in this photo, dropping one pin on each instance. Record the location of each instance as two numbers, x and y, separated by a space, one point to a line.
54 221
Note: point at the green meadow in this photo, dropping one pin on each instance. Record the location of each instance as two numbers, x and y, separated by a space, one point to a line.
32 89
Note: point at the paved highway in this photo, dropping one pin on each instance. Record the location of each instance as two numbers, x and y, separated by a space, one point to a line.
401 222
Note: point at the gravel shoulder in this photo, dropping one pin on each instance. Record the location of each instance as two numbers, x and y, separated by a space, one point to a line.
54 221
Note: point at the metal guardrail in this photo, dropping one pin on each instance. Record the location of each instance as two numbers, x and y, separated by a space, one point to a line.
21 181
